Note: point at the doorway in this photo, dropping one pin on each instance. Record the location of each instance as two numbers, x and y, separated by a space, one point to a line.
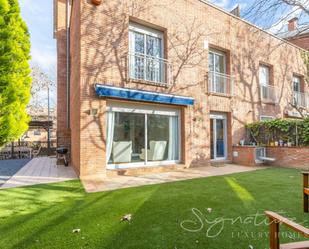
218 136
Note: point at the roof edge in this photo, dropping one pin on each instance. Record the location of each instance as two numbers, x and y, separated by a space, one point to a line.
251 24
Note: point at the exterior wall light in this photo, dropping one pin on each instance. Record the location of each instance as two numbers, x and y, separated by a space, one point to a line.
96 2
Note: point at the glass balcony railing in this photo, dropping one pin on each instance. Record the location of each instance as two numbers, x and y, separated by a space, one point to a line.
220 83
149 69
300 99
268 94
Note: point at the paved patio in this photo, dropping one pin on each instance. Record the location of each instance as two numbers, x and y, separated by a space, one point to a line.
101 183
17 173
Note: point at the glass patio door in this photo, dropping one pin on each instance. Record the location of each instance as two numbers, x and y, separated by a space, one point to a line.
141 135
218 137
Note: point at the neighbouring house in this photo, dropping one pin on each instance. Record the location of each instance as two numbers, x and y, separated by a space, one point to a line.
296 34
144 84
38 126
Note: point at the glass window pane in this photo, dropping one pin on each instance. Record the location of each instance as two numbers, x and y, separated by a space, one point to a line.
139 43
153 46
296 84
154 67
163 138
219 63
212 153
220 137
128 137
264 75
211 62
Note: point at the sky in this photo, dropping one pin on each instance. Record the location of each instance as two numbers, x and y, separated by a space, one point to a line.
38 15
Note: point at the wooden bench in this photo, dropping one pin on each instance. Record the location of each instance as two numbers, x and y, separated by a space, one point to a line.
274 221
305 190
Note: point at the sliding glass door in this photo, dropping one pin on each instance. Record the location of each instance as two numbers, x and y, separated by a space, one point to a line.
141 136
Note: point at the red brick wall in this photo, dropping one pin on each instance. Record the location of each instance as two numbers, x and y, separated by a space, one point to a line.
103 46
292 157
75 86
302 41
244 155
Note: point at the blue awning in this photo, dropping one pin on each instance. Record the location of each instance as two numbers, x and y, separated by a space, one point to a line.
141 95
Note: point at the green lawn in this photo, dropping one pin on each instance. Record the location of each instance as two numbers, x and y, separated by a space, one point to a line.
43 216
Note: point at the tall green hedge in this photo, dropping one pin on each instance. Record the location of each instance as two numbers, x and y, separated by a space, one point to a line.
287 130
15 81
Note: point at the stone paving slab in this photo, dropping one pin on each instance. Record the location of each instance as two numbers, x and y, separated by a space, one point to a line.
101 183
36 171
10 167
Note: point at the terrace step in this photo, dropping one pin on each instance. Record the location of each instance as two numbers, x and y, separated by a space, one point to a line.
220 163
143 170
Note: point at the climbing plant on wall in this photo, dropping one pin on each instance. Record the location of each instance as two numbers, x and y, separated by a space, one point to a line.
291 131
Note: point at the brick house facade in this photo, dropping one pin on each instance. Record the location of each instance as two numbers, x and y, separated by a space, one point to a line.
296 34
166 50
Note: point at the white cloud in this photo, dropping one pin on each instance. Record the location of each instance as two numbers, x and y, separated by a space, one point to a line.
32 6
44 57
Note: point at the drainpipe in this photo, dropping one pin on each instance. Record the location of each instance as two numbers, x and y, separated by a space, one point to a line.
68 14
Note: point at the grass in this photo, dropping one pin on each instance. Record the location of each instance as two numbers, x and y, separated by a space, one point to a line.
165 216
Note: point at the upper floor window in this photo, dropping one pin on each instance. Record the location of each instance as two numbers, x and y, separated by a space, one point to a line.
146 57
264 73
296 83
268 92
217 61
219 81
299 97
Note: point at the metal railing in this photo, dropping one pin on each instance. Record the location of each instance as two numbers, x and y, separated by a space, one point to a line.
220 83
150 69
301 99
268 94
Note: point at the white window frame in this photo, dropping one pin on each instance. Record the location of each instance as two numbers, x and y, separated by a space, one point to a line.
145 31
266 118
220 53
147 110
215 117
138 28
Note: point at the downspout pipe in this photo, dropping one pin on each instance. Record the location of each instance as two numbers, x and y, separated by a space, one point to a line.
68 16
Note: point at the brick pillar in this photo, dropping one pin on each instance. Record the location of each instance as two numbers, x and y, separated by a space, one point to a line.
63 132
92 132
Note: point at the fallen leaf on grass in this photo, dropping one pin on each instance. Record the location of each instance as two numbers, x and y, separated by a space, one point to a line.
77 230
127 217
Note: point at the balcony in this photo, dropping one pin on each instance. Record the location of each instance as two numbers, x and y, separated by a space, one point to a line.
219 83
300 99
147 69
268 94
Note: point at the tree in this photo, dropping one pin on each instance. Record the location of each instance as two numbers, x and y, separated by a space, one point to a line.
15 80
275 13
40 82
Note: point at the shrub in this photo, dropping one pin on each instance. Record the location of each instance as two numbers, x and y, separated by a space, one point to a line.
287 130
